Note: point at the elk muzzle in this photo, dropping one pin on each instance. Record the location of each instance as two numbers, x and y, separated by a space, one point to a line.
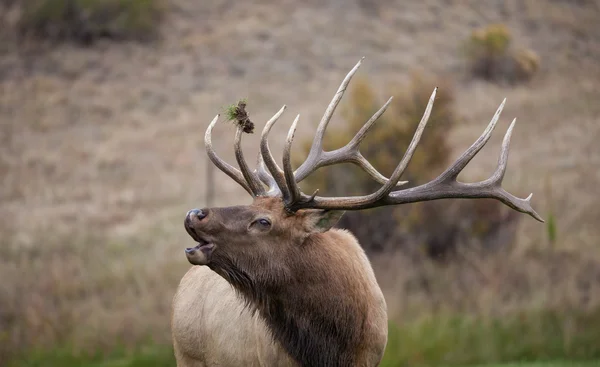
196 215
202 252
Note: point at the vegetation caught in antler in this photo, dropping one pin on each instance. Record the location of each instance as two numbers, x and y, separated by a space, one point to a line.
238 114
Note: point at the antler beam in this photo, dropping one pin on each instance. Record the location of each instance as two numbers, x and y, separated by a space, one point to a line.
444 186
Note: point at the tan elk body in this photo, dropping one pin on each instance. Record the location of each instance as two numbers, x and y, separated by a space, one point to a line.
273 283
324 273
213 326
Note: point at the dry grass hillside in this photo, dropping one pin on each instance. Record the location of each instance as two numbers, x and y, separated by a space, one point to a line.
101 147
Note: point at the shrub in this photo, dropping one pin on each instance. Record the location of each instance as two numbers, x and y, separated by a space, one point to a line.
526 63
435 228
491 56
85 21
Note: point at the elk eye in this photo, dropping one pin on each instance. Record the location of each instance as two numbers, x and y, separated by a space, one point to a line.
263 222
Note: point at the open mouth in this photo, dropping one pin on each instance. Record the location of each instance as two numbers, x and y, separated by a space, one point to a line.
202 251
190 230
202 245
200 254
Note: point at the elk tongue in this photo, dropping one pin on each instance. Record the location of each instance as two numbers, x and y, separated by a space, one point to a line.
200 254
191 250
202 246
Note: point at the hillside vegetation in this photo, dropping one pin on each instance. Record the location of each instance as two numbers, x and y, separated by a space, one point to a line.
101 156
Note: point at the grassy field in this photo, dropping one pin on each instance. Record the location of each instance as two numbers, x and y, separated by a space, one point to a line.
428 342
163 357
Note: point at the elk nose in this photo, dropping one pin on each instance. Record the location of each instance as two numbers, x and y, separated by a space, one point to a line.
197 213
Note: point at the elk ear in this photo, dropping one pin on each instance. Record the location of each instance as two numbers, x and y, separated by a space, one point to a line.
323 220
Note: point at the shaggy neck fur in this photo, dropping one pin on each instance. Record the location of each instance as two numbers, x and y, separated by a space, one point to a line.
318 308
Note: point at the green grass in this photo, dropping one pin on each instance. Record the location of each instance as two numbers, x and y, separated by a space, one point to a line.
455 340
533 339
155 356
545 364
162 356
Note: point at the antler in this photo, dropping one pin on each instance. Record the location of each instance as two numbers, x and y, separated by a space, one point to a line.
228 169
443 187
249 180
285 182
278 180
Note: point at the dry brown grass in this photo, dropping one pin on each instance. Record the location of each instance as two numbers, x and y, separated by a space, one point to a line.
490 285
100 149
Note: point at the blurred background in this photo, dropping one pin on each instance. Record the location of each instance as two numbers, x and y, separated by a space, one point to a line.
103 109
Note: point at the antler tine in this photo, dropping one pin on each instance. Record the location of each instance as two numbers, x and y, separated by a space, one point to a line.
265 177
253 182
268 159
350 153
498 175
444 186
317 146
225 167
388 186
455 169
362 133
292 185
495 181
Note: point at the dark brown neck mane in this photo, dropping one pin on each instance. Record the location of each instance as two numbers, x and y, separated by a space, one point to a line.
317 314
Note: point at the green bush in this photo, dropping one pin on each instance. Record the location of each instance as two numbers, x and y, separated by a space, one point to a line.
491 56
434 228
88 20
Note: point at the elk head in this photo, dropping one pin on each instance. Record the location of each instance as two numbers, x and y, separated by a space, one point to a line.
270 232
253 243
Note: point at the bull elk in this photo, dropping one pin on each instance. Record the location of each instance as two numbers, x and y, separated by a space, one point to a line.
276 284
